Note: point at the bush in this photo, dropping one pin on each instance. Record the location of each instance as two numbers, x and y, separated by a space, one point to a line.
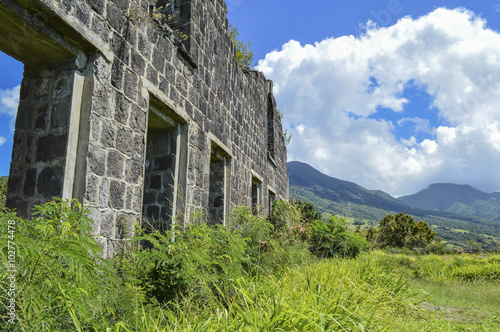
331 238
202 260
401 231
62 281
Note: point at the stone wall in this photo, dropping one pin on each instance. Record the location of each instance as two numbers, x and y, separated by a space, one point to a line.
146 114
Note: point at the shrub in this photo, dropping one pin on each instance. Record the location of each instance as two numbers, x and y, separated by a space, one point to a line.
202 260
401 231
331 238
62 281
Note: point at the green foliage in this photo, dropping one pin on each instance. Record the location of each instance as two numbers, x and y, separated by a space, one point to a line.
248 276
244 54
3 190
401 231
61 279
331 238
308 211
201 260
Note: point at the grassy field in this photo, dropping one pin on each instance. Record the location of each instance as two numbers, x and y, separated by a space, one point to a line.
248 276
462 292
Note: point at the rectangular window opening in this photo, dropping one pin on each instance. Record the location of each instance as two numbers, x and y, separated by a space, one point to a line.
218 197
272 198
163 181
256 195
271 106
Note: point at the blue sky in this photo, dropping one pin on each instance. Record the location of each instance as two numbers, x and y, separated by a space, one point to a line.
393 95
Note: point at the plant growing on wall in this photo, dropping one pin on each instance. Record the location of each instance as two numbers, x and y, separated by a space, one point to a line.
163 13
244 54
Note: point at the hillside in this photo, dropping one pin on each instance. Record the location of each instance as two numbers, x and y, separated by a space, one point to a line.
459 199
368 207
338 196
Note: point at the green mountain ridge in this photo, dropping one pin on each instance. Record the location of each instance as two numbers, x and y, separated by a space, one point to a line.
349 200
458 199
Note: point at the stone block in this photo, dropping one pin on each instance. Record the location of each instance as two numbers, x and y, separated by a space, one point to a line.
62 88
30 182
117 71
115 164
122 109
153 212
120 48
158 60
104 193
96 160
124 141
137 121
131 85
108 134
50 181
41 118
115 17
155 182
107 228
24 116
51 147
82 13
116 195
164 162
98 5
138 64
92 189
60 115
133 171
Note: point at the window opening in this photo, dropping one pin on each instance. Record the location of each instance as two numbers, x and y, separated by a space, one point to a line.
256 195
10 84
218 196
271 105
272 198
161 171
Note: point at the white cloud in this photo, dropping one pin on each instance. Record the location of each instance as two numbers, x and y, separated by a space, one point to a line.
9 101
332 87
2 140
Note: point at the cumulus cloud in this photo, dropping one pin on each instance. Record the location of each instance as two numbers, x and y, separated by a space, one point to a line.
9 101
330 92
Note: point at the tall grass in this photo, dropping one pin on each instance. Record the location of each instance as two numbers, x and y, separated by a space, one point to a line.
249 276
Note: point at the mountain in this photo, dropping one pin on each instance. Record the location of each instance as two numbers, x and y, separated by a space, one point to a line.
459 199
368 207
340 194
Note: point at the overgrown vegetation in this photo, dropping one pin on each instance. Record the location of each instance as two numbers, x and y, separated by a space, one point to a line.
244 54
3 190
256 274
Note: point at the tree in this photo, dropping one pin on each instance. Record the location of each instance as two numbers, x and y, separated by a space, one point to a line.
401 231
244 54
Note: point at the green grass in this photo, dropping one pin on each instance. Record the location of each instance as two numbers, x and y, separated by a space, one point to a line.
463 292
461 231
224 279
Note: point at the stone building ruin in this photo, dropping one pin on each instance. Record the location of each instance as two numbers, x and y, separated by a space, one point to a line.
138 117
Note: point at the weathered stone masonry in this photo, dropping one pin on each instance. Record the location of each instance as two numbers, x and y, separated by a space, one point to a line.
116 112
